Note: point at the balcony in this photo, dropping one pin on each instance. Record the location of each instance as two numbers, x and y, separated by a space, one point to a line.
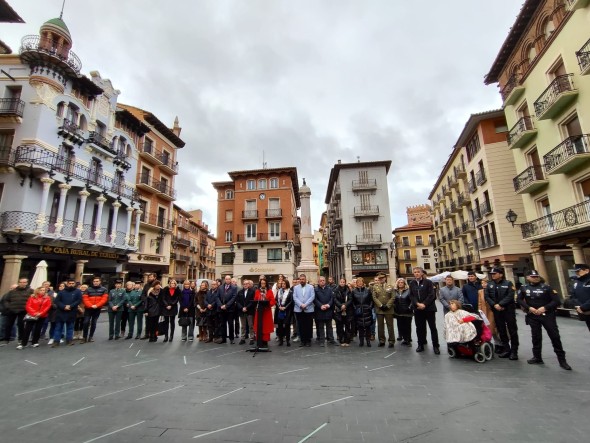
274 213
568 155
184 225
573 5
556 98
455 207
572 218
262 237
36 157
39 50
145 182
477 214
485 208
71 131
148 151
480 177
486 242
337 193
23 223
459 172
251 214
369 184
522 133
512 90
165 190
166 163
101 141
180 257
443 239
155 220
530 180
467 227
457 231
462 200
446 190
452 182
182 241
12 108
472 186
366 211
583 56
447 213
450 236
368 239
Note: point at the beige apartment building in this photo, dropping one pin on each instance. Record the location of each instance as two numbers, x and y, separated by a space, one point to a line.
470 200
543 72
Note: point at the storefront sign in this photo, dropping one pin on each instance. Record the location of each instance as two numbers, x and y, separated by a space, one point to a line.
80 252
368 268
149 257
261 270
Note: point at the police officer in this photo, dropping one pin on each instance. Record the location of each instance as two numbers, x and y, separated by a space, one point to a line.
539 301
580 294
499 295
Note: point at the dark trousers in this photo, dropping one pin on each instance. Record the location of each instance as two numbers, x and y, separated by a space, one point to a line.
35 327
11 317
549 322
124 319
284 329
305 321
90 318
226 321
507 328
78 324
114 323
382 321
236 317
324 329
404 327
364 331
169 319
344 330
133 317
588 324
151 326
423 317
59 326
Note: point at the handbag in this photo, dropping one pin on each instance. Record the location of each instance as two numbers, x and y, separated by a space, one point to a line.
30 318
162 326
202 321
184 321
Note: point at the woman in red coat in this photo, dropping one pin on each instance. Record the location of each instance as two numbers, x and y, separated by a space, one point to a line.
37 307
264 293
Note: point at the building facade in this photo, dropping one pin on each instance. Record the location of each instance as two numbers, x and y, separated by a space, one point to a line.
471 197
257 223
67 164
543 71
358 228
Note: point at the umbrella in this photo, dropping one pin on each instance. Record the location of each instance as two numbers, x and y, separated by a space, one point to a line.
40 274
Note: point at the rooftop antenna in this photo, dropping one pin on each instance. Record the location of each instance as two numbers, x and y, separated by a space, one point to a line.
61 14
263 162
358 157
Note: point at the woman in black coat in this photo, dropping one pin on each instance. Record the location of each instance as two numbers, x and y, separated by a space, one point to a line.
169 308
343 313
362 303
284 312
186 311
152 307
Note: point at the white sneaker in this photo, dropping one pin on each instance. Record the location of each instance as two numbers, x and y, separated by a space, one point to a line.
50 342
36 345
19 347
62 340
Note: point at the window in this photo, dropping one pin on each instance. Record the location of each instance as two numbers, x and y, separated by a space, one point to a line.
145 176
250 185
426 266
166 157
251 231
408 268
274 230
161 217
250 255
101 128
164 185
262 183
548 28
61 108
585 185
473 147
274 183
274 254
425 252
419 240
228 236
95 173
407 255
227 258
6 139
229 194
229 215
148 146
405 241
365 201
431 239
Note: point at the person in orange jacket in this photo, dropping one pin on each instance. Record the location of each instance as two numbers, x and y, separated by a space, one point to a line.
37 307
94 298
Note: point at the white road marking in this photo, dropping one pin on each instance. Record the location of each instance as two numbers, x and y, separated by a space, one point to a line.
382 367
63 393
138 353
158 393
52 418
121 390
185 359
293 350
228 353
333 401
32 362
314 432
42 389
114 432
131 345
78 361
223 395
203 370
370 352
139 363
225 429
387 356
294 370
207 350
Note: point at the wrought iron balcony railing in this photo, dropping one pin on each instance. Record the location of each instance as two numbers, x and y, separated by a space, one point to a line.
583 56
12 106
480 177
509 86
568 219
522 125
565 151
561 84
262 236
36 43
274 213
156 220
527 177
369 183
368 238
101 141
250 214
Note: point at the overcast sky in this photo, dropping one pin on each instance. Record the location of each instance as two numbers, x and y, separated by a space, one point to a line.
307 82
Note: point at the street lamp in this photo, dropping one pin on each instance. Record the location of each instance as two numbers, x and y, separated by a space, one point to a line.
348 247
511 216
233 254
391 248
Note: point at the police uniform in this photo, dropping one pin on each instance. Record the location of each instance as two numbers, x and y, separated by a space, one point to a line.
538 295
580 294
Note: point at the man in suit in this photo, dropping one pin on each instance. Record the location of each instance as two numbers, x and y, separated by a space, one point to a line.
303 297
245 309
227 297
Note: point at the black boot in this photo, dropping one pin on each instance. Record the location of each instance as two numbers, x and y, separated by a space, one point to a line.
288 342
362 341
280 341
513 354
165 338
368 342
564 364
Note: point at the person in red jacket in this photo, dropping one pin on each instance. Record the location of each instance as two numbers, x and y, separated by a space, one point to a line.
37 307
94 298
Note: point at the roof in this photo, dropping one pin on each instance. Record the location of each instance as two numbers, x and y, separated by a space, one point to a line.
218 185
126 117
291 170
414 227
87 86
9 15
156 123
58 22
514 34
338 166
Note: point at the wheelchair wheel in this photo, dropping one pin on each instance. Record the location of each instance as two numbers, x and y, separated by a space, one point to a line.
479 357
452 352
487 350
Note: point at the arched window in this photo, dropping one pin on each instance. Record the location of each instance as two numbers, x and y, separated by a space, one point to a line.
83 123
128 151
61 107
548 28
531 53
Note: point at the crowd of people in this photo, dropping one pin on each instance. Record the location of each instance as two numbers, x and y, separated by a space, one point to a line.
222 311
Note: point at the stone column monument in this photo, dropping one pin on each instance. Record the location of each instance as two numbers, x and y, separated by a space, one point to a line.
307 265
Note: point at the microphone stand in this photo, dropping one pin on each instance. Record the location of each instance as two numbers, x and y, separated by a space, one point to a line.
260 310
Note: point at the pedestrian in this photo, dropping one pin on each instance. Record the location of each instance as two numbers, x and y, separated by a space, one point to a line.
499 295
580 292
37 307
115 305
540 301
15 302
53 313
470 291
324 309
212 301
186 312
295 336
225 311
362 304
95 297
79 323
284 312
151 278
383 299
236 313
423 301
169 308
343 314
152 307
303 295
51 293
135 307
403 311
489 313
450 292
201 310
331 283
245 308
67 302
263 293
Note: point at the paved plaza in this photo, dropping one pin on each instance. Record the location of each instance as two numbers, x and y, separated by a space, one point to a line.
131 390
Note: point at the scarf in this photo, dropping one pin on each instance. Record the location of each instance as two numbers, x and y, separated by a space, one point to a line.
283 296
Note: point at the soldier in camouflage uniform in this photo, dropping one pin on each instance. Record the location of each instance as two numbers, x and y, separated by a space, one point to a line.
383 296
